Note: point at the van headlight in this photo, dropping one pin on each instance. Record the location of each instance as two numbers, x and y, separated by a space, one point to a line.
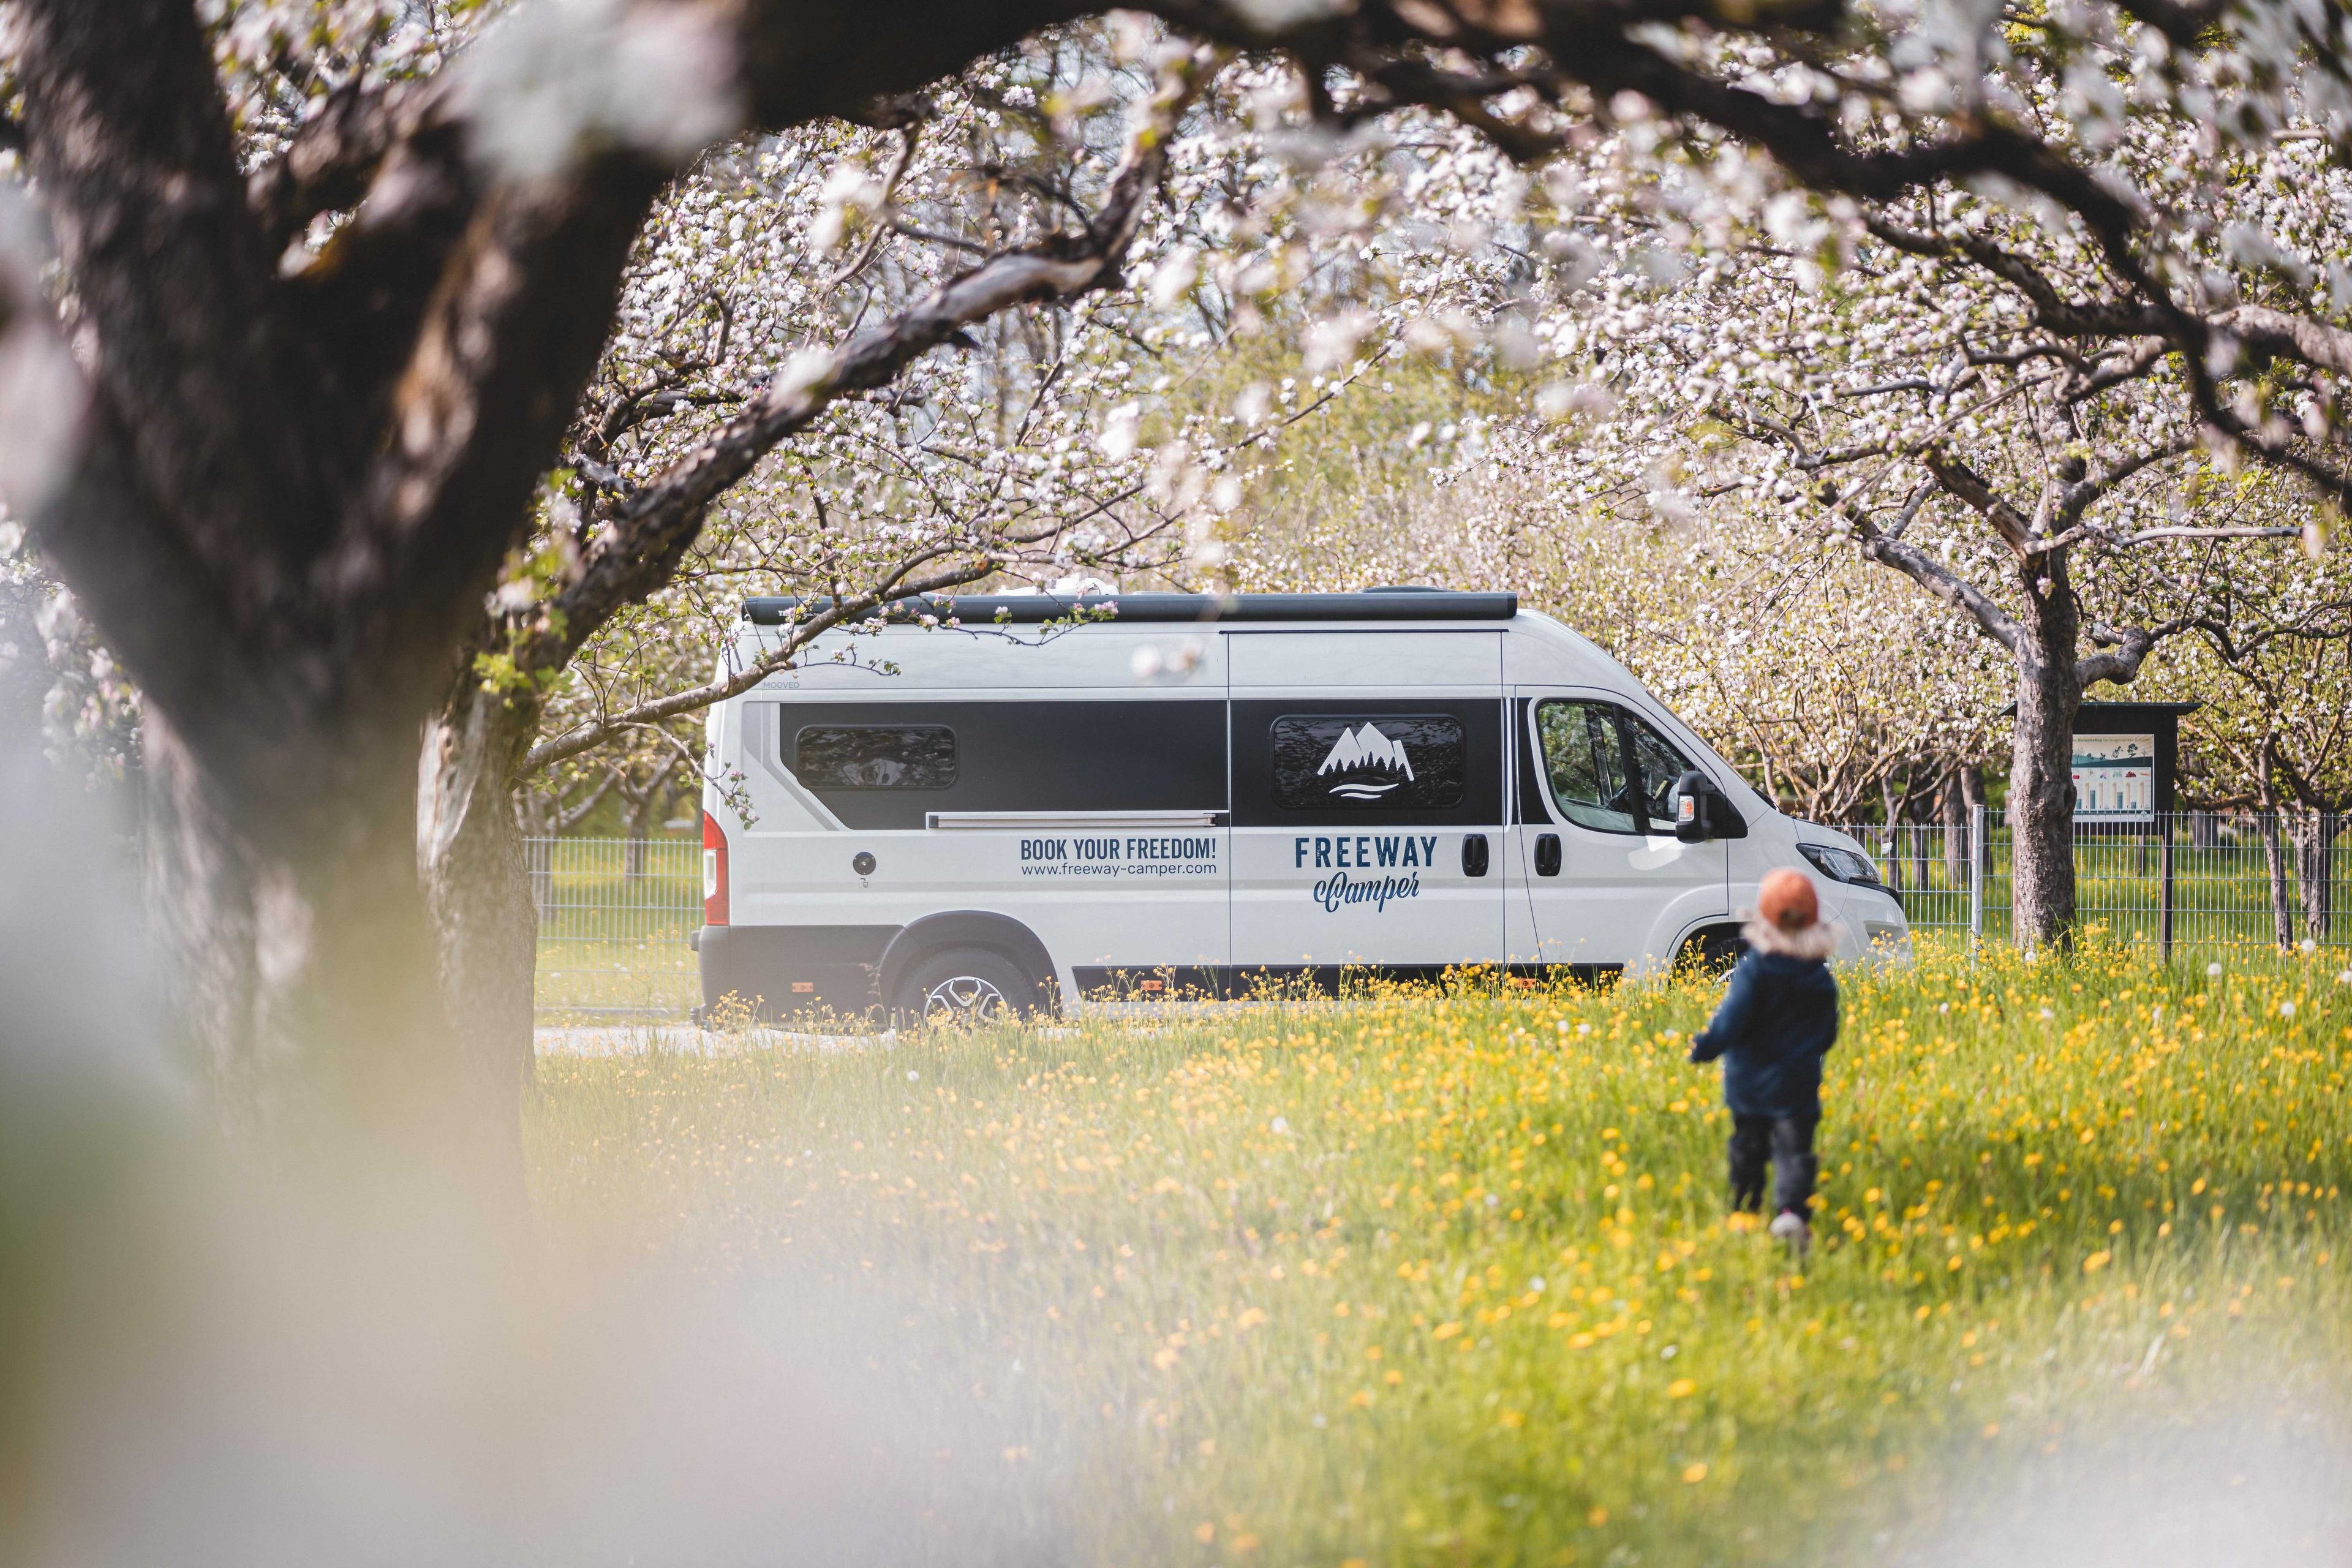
1841 865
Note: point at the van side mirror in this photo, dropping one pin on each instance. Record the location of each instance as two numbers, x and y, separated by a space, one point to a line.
1703 812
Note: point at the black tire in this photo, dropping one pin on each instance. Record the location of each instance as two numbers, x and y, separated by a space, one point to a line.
1712 953
966 986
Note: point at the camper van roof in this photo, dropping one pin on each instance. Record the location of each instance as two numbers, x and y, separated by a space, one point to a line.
976 609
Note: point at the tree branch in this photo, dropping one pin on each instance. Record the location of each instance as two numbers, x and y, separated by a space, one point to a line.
2182 21
909 134
2151 535
569 817
650 530
1803 139
1464 97
2121 663
1944 583
335 156
896 585
1960 480
2082 495
2265 333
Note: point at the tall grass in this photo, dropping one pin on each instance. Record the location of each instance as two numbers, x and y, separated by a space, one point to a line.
1417 1278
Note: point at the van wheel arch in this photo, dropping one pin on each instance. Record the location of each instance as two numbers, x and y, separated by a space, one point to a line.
1712 949
983 929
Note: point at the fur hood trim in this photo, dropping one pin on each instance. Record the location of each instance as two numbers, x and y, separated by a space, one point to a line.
1816 942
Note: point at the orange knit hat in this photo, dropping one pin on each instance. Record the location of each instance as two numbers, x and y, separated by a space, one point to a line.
1785 899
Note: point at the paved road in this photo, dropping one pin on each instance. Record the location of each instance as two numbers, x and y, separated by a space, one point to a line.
685 1039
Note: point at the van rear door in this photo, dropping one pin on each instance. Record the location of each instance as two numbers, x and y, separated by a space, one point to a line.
1367 785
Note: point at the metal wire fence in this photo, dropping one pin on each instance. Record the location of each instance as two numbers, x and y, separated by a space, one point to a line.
615 913
2189 879
614 918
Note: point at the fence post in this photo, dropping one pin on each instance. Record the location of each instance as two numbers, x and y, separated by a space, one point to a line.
1979 851
2164 890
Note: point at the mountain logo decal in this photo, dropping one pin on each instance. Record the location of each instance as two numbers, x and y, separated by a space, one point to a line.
1361 758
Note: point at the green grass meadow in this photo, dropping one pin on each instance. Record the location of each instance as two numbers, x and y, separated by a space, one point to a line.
1447 1279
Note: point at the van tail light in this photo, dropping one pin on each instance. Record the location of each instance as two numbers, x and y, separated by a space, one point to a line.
714 872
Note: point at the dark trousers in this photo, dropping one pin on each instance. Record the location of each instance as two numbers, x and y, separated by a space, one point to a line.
1788 1143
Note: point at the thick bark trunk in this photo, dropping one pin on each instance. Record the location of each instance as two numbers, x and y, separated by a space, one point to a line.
2041 759
303 966
469 856
2042 803
1955 814
1891 837
2274 863
1915 823
639 827
2314 848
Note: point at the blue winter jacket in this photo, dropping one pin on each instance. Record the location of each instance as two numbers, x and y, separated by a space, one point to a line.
1776 1024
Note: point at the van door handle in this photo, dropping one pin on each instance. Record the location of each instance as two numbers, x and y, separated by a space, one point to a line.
1474 854
1547 854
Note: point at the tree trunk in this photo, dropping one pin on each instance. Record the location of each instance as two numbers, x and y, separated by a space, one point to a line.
2315 840
2274 862
468 852
640 826
643 810
1955 812
2041 802
1891 836
1916 822
301 962
538 856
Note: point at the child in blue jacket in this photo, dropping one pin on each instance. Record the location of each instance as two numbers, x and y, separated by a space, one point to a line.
1776 1024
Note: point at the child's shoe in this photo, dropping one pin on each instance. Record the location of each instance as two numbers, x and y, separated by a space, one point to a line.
1788 1226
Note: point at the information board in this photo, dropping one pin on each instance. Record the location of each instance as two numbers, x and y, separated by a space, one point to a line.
2115 778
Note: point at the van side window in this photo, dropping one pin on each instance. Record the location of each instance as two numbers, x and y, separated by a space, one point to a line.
1584 760
875 756
1657 764
1384 762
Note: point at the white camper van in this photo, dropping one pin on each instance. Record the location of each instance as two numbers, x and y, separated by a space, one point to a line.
986 806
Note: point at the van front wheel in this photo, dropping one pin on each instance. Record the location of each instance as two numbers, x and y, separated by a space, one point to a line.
966 986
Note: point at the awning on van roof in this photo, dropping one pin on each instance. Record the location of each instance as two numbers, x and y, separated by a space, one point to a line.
977 609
